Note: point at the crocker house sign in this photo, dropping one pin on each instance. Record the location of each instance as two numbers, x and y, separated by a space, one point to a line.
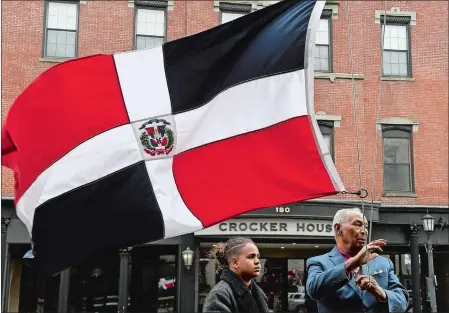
279 227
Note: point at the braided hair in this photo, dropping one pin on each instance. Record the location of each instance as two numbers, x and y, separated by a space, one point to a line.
223 252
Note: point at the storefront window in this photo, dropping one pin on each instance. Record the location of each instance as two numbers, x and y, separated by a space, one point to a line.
94 284
153 279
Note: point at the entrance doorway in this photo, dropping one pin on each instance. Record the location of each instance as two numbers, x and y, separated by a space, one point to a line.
283 274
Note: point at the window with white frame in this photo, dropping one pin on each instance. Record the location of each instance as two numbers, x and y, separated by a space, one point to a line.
397 159
327 131
323 45
396 49
150 27
229 16
61 28
232 11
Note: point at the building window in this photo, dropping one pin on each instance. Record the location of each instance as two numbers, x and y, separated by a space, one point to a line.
327 130
397 159
150 24
323 44
232 11
396 54
61 29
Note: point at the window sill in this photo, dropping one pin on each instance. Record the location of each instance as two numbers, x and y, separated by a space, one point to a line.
400 194
398 78
333 76
54 60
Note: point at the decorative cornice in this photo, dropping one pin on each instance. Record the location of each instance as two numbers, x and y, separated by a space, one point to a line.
326 13
395 16
253 4
235 7
152 4
397 121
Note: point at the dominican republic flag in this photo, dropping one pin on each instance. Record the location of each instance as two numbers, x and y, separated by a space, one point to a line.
115 150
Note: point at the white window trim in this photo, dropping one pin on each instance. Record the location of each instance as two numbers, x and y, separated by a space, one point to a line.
397 121
395 12
323 116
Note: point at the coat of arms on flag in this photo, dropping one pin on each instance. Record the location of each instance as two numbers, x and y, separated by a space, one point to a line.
157 137
170 140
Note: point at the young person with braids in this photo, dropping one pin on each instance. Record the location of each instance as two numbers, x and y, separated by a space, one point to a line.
236 291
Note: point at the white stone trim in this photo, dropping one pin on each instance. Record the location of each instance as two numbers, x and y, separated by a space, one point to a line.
397 121
322 116
332 76
83 1
395 11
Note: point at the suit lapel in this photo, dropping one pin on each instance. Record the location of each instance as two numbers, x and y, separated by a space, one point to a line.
337 258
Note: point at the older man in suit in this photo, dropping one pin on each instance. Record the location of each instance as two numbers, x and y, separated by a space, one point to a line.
339 280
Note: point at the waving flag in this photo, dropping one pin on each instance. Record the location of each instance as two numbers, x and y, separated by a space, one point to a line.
116 150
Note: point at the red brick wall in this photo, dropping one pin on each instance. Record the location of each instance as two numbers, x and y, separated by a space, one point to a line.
107 26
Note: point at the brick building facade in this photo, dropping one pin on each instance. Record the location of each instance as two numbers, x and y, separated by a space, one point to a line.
412 125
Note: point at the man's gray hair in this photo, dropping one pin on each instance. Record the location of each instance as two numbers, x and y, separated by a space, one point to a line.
342 217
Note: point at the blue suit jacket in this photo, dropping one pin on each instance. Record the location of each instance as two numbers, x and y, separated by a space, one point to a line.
328 284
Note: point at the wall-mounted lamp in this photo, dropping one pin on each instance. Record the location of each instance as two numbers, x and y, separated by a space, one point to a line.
187 256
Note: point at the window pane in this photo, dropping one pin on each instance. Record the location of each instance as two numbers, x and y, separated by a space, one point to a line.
327 140
387 68
322 35
395 37
150 22
324 52
60 44
402 57
403 69
402 43
140 42
70 51
60 50
387 57
395 69
397 177
71 38
394 43
148 42
228 16
324 65
396 150
51 36
51 49
62 15
322 58
61 37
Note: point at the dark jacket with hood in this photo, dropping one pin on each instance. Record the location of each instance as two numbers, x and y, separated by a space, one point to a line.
232 295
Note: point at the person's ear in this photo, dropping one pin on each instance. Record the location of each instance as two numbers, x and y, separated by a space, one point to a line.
337 229
234 262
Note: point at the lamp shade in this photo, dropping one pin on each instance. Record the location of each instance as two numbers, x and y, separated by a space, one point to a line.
428 223
187 256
